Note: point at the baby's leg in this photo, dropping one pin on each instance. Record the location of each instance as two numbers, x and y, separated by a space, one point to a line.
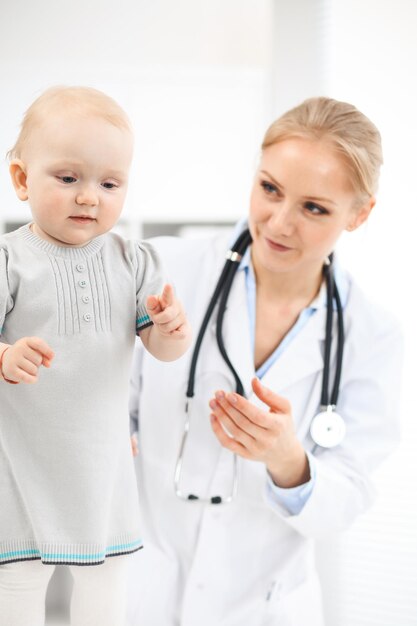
99 593
22 592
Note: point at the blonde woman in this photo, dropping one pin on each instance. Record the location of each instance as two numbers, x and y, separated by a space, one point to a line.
233 506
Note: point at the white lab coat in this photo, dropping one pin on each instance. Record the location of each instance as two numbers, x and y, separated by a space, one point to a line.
250 563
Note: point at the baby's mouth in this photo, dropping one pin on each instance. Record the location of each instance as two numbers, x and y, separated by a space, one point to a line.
82 219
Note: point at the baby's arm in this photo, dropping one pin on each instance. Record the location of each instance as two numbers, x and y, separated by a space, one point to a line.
170 335
20 362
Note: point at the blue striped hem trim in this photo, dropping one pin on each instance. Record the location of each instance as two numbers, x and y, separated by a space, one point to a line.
85 557
8 555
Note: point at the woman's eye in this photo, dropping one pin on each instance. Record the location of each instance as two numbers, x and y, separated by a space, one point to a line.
67 179
315 209
269 188
109 185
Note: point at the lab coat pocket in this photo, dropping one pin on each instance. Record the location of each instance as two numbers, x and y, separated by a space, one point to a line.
288 605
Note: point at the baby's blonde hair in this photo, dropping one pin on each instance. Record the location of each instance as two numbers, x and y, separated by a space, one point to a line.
79 100
353 135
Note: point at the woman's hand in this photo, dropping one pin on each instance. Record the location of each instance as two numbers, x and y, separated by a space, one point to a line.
258 435
134 444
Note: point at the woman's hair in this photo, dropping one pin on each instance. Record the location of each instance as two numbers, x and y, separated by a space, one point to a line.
79 100
350 132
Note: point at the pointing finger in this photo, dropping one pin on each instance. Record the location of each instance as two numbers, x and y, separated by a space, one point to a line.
167 297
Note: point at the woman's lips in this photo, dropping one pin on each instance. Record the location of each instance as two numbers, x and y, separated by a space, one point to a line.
277 246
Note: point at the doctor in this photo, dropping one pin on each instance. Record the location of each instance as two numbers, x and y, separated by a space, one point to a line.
232 507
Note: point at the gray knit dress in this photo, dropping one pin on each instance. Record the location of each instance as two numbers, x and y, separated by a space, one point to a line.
67 483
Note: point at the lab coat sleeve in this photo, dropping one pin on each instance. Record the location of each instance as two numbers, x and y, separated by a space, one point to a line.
369 402
135 387
293 498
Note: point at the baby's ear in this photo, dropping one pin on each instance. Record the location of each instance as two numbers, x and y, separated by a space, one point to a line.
17 171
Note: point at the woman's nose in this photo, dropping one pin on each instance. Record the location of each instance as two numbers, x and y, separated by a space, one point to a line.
282 219
87 196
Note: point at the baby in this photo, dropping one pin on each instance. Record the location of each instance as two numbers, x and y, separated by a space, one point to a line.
72 298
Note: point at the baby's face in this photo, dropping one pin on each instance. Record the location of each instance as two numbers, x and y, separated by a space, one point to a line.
76 177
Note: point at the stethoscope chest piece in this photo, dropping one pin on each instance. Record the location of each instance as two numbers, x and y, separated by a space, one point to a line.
328 428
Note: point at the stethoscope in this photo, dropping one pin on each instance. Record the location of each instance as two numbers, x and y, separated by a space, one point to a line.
327 428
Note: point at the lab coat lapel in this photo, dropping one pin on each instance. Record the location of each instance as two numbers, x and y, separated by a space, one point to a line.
302 357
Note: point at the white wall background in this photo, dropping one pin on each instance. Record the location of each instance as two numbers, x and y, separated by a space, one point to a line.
191 74
201 79
371 61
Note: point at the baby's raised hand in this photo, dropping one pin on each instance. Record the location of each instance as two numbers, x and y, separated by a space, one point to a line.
22 360
167 314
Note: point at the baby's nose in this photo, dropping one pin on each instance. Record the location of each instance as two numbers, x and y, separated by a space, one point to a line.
87 196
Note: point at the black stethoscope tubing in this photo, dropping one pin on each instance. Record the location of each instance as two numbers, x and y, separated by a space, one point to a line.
332 294
221 291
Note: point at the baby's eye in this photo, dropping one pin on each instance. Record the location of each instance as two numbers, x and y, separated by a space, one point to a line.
315 209
67 179
109 185
268 187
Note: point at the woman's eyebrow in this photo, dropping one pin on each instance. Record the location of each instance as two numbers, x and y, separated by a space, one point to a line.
272 178
317 199
314 198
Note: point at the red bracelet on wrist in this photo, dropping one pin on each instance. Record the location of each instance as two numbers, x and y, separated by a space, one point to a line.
11 382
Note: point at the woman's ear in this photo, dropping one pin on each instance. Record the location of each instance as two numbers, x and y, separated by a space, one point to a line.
18 175
360 215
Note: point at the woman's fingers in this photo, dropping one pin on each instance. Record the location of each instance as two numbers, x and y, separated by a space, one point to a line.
227 442
253 432
252 438
275 402
233 402
236 425
255 429
134 445
223 409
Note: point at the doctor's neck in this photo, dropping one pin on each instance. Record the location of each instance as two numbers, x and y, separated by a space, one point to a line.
299 284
